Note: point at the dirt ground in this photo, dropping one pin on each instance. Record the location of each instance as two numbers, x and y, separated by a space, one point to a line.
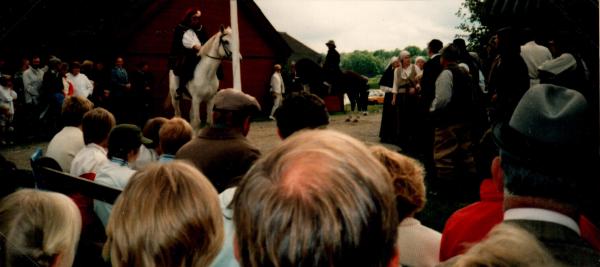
262 133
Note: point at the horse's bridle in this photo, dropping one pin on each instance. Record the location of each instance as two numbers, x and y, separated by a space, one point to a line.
228 52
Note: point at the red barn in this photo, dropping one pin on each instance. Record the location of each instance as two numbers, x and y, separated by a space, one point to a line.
261 45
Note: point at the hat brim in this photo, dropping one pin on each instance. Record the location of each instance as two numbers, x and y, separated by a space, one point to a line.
534 153
146 141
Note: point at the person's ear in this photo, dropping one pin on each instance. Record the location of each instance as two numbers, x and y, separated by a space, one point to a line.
395 261
246 128
56 260
236 249
497 174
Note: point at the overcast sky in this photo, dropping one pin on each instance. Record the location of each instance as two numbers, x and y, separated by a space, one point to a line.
364 24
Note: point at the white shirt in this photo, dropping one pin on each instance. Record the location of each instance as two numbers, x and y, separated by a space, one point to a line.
88 160
114 173
65 145
225 258
534 55
419 245
536 214
145 157
81 84
403 73
277 85
190 39
6 99
443 91
32 81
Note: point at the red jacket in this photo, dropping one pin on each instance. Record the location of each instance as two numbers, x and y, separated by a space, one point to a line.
472 223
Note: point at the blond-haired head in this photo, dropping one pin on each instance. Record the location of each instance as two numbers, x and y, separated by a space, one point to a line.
407 177
507 245
174 134
38 228
167 215
319 199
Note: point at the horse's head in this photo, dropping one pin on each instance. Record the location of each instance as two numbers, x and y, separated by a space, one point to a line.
219 45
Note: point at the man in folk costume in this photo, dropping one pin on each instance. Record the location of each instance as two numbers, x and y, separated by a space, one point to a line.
331 66
188 38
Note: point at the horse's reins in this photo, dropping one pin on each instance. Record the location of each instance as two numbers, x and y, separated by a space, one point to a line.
228 52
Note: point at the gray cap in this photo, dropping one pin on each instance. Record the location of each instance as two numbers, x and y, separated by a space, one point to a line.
234 100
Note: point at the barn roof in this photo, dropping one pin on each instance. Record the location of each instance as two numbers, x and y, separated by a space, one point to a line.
299 50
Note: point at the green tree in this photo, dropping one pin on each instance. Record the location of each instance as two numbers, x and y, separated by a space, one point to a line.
472 14
362 62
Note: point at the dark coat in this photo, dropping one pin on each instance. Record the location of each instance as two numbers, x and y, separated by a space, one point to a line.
431 70
223 155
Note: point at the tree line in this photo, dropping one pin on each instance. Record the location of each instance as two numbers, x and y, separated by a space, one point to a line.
373 63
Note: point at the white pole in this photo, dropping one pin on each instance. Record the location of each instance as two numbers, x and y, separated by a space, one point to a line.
235 60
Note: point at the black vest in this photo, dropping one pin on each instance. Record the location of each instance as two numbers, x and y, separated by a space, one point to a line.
461 108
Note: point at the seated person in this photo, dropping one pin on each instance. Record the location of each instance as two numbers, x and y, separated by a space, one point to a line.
174 133
96 125
66 144
168 215
419 244
123 148
150 152
301 111
38 228
318 199
230 154
505 245
297 112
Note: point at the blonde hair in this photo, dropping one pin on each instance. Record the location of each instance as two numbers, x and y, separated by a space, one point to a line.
173 134
507 245
36 227
407 176
319 199
167 215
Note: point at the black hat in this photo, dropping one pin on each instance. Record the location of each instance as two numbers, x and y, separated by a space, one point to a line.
126 137
547 130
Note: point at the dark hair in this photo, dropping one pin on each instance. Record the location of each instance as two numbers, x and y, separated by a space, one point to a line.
75 65
435 46
187 18
508 43
152 128
301 111
4 79
521 180
96 125
73 110
450 53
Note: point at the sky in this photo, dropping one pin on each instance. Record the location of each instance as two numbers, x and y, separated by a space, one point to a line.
364 24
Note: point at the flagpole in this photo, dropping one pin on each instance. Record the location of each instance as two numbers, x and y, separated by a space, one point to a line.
235 59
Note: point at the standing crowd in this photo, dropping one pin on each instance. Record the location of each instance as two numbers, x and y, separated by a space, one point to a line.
31 96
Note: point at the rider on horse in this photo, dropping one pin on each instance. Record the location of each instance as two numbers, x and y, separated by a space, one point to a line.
188 38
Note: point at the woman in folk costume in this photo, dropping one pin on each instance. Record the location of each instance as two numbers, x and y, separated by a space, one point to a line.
404 96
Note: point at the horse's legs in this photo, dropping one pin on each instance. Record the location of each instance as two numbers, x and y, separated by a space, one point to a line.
209 109
195 113
173 84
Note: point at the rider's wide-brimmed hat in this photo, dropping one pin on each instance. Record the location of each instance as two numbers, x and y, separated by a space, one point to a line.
330 42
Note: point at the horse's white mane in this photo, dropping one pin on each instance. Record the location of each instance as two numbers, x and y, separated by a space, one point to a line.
214 40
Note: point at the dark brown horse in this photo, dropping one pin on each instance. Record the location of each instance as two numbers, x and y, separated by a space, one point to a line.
312 76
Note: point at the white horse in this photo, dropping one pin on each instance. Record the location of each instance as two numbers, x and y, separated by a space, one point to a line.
203 87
